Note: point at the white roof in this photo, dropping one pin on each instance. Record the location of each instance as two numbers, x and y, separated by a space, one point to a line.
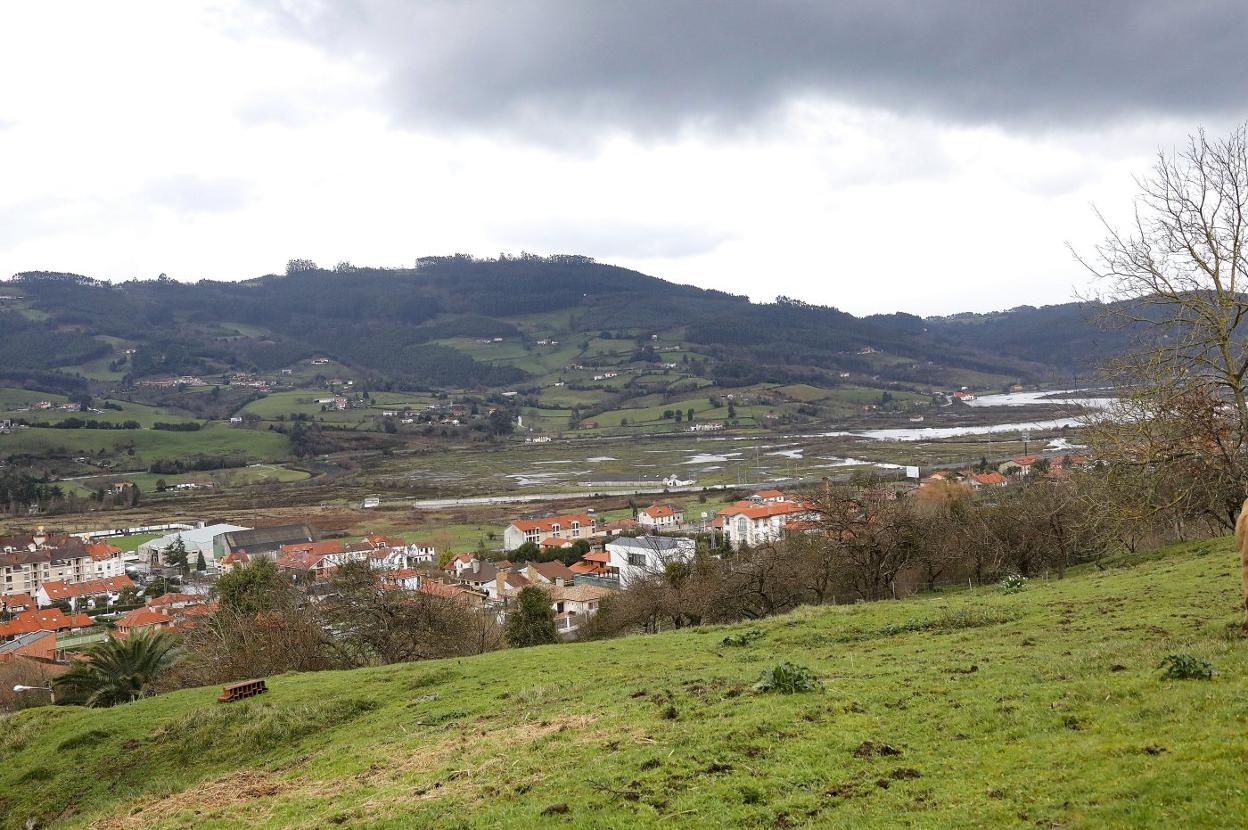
198 536
649 544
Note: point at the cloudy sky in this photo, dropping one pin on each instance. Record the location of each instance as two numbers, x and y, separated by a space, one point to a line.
876 155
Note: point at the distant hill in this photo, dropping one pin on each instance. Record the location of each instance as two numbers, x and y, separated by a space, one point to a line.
406 328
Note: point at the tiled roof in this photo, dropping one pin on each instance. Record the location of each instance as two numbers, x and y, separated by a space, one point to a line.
102 550
142 618
552 570
548 524
50 619
59 590
763 511
659 511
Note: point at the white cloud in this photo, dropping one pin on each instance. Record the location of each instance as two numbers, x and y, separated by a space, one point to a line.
193 140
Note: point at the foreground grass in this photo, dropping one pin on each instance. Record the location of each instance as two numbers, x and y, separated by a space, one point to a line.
1043 708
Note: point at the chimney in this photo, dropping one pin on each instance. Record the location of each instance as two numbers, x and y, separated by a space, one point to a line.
476 566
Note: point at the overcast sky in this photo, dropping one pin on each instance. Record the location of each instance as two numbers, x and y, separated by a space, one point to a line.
875 155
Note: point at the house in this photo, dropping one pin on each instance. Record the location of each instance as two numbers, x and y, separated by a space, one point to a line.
49 619
1019 463
633 558
106 559
265 542
619 526
199 540
392 555
26 562
17 603
759 521
571 526
978 481
320 559
107 589
143 618
171 611
596 564
234 560
548 573
660 516
573 604
39 645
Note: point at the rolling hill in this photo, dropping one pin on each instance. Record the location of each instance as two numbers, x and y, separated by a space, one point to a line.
1043 708
435 326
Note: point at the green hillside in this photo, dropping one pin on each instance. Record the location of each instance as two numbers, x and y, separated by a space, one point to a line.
1043 708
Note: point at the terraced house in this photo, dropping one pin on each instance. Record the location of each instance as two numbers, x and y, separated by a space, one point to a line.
27 562
568 527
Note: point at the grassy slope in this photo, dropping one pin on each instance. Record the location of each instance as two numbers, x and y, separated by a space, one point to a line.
1063 721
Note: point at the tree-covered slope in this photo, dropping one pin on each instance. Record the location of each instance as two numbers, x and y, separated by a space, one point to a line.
386 322
1041 708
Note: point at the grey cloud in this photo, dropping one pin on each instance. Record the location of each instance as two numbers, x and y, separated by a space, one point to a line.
666 65
194 194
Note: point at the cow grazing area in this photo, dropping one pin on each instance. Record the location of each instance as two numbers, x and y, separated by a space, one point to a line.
1039 707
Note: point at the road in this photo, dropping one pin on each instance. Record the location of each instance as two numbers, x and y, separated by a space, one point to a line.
519 498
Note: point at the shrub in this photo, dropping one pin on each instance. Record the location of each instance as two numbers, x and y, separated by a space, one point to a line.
1013 583
1186 667
742 639
788 678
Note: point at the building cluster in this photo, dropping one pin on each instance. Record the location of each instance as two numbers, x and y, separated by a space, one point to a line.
1027 467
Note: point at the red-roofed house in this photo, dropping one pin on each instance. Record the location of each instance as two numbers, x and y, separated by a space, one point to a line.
660 516
50 619
93 590
38 645
594 563
17 603
757 522
572 526
234 559
990 479
141 618
106 559
1021 463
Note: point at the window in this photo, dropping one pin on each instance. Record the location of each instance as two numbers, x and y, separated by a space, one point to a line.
637 559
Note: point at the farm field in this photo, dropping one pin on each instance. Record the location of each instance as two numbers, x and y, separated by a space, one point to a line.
1039 708
130 448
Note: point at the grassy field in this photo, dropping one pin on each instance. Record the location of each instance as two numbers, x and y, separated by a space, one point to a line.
147 445
1044 708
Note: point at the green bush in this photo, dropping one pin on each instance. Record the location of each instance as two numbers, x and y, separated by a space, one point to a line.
787 679
1186 667
742 639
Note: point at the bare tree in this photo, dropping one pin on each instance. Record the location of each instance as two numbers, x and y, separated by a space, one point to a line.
1176 277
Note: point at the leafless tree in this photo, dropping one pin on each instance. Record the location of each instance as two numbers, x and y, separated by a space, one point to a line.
1176 277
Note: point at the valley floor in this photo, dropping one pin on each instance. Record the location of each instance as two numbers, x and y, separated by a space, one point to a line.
1043 708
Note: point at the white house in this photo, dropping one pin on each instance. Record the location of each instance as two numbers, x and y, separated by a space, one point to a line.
633 558
662 516
758 521
572 526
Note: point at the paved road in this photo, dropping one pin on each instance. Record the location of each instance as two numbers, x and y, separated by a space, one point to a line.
518 498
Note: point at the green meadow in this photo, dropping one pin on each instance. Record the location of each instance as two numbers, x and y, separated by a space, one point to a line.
1043 708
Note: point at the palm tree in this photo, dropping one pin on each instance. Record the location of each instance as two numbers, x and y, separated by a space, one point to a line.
118 671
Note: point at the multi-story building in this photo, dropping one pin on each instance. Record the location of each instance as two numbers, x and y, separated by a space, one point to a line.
26 562
572 527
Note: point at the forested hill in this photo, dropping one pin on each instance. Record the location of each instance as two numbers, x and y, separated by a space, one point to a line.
401 326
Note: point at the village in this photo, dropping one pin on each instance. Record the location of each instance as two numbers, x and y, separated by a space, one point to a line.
63 592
